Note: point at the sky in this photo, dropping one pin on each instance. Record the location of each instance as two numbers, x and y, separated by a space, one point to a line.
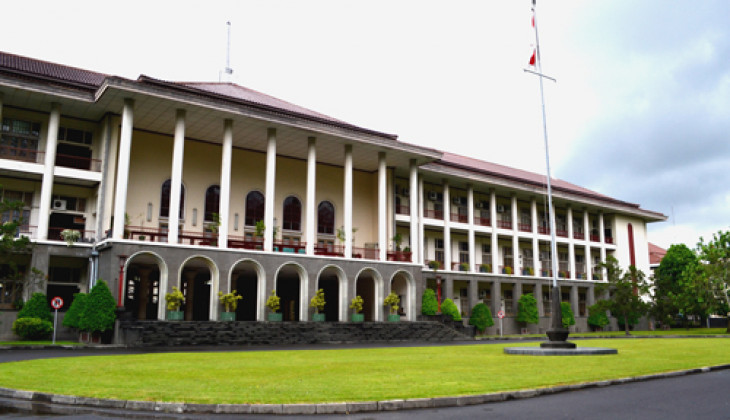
640 109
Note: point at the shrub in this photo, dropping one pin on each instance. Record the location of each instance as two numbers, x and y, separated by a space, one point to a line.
392 300
174 299
99 310
36 307
273 302
527 309
73 315
356 304
567 313
229 300
449 308
32 328
318 301
481 317
597 316
429 304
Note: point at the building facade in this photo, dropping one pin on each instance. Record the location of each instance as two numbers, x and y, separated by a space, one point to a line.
213 187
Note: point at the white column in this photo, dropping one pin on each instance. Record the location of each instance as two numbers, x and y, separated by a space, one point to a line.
269 195
493 217
571 244
54 120
2 97
225 196
535 241
471 239
415 207
420 227
587 237
348 201
448 246
517 269
602 235
178 153
382 203
311 211
125 148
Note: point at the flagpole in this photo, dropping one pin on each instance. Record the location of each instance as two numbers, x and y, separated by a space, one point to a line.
556 334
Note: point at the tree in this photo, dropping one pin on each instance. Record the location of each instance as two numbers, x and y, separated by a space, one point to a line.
597 316
695 295
527 309
715 258
429 305
73 315
625 289
36 307
99 312
566 313
481 317
11 245
668 281
449 308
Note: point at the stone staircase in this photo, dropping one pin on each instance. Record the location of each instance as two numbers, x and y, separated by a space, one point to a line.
211 333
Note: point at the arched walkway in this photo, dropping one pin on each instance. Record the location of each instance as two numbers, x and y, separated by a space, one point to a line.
199 283
334 283
142 285
247 278
291 286
369 286
403 285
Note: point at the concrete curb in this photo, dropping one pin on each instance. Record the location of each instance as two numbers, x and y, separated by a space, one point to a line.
328 408
597 337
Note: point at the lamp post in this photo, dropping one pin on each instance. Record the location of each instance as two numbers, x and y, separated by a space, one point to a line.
122 262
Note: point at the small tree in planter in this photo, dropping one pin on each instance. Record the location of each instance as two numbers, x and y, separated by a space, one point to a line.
567 314
448 307
36 307
71 236
429 305
392 300
174 301
481 317
99 311
597 318
318 303
397 241
73 315
230 303
527 310
274 303
356 305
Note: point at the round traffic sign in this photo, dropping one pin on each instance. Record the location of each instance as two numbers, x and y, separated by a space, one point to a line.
500 314
57 302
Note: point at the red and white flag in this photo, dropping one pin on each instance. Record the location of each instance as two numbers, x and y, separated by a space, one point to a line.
533 57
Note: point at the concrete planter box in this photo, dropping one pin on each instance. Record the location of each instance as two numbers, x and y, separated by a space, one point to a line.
228 316
175 315
318 317
275 317
393 318
358 317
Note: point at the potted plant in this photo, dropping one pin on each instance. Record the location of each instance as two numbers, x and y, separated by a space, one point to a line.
230 303
397 240
464 267
392 300
485 268
318 303
174 300
507 270
70 236
274 303
434 265
356 305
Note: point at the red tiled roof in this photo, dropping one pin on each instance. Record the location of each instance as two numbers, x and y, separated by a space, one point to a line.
656 253
45 69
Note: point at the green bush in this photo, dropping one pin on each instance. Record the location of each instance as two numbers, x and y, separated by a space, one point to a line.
449 308
99 310
527 309
73 315
597 316
32 328
36 307
567 313
481 317
429 304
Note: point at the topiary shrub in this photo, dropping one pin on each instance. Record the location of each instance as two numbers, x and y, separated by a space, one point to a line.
527 309
99 310
448 307
481 317
73 315
597 316
36 307
567 313
429 304
32 328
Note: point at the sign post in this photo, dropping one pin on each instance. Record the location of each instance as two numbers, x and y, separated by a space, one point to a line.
57 304
500 315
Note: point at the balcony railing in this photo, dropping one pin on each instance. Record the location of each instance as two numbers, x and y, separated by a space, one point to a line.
504 224
543 230
595 238
400 256
434 214
401 209
609 240
460 218
18 153
366 253
482 221
562 233
579 235
78 162
54 234
524 227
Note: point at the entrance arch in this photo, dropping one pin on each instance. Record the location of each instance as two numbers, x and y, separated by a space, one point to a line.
247 278
291 287
333 281
199 281
403 285
369 286
144 278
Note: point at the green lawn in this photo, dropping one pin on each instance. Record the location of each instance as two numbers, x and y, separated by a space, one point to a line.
306 376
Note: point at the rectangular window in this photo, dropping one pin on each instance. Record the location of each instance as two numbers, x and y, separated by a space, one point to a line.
464 252
439 249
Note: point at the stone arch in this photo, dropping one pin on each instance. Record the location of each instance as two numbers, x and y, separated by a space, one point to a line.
369 285
333 280
404 285
192 273
142 265
247 275
291 283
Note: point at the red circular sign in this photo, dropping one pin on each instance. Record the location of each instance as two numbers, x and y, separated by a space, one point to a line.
500 314
57 302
